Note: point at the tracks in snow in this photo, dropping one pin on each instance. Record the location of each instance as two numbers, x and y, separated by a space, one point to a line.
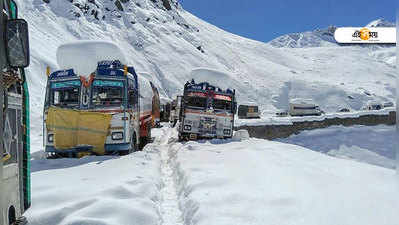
170 210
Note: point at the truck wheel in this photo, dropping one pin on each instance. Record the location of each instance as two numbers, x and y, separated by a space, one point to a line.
11 216
143 142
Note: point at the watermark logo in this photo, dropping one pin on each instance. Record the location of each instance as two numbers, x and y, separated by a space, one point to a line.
365 34
374 35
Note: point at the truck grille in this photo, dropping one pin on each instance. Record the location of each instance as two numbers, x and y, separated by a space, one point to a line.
207 125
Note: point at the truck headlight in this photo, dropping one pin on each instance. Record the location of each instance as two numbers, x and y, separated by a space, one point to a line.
226 131
187 127
117 135
50 138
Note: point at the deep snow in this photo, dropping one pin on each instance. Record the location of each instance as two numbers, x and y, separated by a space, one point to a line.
213 182
369 144
96 190
263 182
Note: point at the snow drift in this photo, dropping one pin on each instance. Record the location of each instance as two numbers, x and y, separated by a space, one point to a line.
261 182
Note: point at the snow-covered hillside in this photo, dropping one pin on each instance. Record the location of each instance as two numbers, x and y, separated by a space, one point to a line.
170 43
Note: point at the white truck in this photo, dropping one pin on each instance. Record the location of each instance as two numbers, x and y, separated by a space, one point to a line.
303 107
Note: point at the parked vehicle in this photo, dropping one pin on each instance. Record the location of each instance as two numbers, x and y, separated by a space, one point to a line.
388 104
344 110
165 112
283 113
15 196
206 112
248 111
304 107
156 106
175 110
113 101
374 105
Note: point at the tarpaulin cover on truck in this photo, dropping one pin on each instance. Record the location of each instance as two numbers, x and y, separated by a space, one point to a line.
73 128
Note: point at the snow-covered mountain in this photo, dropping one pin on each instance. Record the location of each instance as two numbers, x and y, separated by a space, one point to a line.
319 37
161 38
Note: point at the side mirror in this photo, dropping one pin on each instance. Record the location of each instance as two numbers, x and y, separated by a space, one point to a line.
17 43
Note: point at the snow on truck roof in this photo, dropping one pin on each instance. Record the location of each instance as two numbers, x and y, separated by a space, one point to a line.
221 79
301 101
248 103
83 56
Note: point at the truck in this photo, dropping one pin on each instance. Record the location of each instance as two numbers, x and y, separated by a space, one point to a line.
303 107
112 91
15 196
248 111
156 106
206 111
175 109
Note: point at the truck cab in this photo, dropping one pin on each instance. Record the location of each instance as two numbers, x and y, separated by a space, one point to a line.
112 90
206 112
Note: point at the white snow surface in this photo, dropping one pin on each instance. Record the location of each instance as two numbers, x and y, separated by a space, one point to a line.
369 144
94 190
252 181
83 56
264 182
166 43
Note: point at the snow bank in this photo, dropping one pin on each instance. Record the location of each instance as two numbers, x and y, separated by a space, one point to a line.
369 144
261 182
96 190
83 56
240 135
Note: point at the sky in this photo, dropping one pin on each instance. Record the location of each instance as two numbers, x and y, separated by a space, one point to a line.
265 20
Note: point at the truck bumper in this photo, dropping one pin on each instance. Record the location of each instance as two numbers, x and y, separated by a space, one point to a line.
118 147
52 149
189 136
108 149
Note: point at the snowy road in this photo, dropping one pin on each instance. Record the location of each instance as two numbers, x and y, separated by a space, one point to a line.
170 210
253 181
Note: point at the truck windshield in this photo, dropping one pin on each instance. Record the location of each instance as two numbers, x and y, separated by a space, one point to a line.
221 104
196 102
65 94
107 93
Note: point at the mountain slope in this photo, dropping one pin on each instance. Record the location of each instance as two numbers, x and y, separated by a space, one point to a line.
169 44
